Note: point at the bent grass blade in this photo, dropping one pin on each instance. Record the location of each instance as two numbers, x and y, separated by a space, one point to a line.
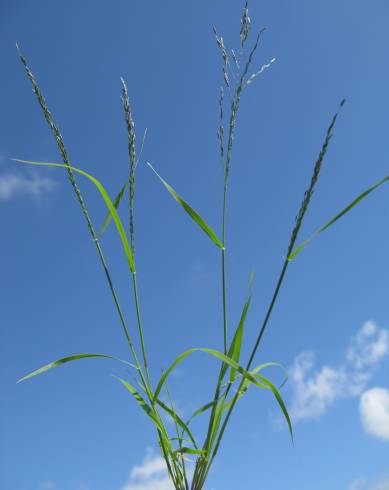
116 203
107 200
64 360
213 353
280 401
191 212
146 408
178 420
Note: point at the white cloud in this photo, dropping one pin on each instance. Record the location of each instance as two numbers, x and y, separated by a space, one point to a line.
374 411
358 484
383 485
12 185
368 346
150 475
47 485
149 467
361 484
315 391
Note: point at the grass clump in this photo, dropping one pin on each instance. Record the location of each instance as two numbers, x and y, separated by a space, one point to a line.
234 377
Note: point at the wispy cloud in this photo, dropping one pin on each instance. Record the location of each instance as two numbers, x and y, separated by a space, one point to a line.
314 391
374 411
150 475
13 185
358 484
48 485
362 484
383 485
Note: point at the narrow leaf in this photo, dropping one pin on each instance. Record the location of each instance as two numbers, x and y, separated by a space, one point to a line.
107 200
192 213
216 422
64 360
116 203
214 353
236 344
348 208
178 420
146 407
280 401
247 383
202 409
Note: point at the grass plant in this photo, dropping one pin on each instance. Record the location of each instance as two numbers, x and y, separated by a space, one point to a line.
234 377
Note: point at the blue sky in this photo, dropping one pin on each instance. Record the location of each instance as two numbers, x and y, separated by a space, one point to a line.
75 428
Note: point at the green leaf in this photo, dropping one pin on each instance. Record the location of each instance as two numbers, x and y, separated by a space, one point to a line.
116 203
213 353
280 401
202 409
64 360
146 407
247 383
178 420
192 213
236 344
220 408
348 208
107 200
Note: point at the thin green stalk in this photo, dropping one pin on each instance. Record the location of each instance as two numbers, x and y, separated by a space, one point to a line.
179 438
132 156
135 288
201 463
224 287
299 219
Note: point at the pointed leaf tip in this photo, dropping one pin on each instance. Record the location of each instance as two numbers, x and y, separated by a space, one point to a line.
189 210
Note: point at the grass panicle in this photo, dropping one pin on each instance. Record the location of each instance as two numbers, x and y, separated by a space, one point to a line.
244 26
63 152
234 376
316 171
132 154
220 132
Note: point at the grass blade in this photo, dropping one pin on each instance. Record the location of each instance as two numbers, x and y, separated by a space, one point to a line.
146 408
338 216
200 410
108 202
215 353
280 401
236 344
191 212
178 420
216 423
247 383
116 203
64 360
